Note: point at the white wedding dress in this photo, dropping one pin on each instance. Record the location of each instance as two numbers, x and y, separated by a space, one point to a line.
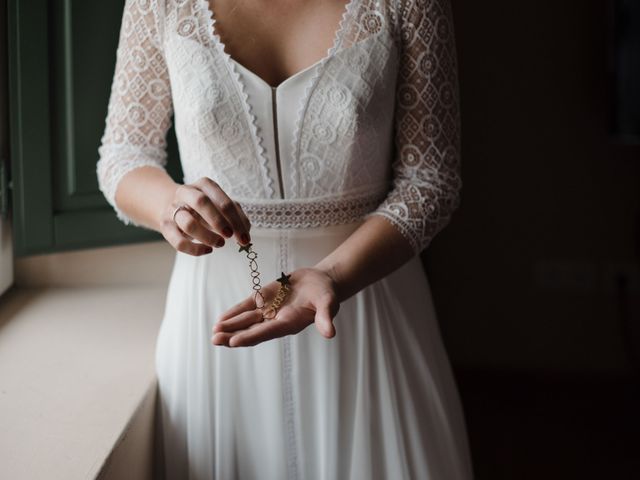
371 129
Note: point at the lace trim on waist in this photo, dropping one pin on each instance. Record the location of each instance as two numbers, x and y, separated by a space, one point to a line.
311 213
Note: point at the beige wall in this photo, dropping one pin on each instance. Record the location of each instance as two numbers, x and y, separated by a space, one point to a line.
524 277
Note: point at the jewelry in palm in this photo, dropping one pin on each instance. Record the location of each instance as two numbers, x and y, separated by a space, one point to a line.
268 311
285 286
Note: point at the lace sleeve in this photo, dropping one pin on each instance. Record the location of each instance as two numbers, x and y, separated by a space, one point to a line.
426 169
140 108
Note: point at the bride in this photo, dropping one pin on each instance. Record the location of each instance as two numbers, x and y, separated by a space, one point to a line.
319 142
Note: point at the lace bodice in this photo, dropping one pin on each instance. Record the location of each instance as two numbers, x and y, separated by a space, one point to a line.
377 130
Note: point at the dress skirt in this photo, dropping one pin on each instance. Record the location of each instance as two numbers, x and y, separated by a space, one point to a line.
377 401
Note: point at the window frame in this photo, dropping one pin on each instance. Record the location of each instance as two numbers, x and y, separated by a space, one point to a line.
40 224
6 243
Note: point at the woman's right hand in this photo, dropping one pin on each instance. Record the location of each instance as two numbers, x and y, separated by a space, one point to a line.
209 217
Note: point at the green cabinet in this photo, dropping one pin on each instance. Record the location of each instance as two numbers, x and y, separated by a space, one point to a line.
61 62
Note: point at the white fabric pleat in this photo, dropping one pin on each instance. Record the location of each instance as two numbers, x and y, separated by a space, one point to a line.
378 401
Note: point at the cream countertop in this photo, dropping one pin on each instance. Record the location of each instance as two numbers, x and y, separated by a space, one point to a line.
77 362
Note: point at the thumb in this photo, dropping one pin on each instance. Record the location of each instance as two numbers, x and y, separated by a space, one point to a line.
324 320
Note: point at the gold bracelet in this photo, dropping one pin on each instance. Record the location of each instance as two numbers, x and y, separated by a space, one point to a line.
271 310
258 298
285 286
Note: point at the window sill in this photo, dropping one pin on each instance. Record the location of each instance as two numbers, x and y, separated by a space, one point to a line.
77 380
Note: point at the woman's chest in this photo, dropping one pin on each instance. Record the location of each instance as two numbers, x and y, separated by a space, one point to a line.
277 39
340 36
342 124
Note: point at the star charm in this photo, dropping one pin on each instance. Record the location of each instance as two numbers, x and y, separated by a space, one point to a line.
245 247
284 279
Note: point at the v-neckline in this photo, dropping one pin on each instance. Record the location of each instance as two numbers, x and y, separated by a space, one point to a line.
284 83
262 159
337 41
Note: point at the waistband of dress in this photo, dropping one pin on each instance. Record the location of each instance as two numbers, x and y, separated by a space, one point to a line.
312 213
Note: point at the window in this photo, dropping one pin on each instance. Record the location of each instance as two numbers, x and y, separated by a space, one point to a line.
61 62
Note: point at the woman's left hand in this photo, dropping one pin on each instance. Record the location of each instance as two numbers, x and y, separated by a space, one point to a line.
312 299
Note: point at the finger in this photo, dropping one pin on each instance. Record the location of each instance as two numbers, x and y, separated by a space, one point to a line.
261 332
243 306
221 338
227 208
239 322
205 223
182 242
200 202
324 321
243 217
190 224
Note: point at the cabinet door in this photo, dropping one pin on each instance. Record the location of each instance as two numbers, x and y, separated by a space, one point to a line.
61 62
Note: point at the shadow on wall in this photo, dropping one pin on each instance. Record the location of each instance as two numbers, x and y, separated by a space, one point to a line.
536 279
538 269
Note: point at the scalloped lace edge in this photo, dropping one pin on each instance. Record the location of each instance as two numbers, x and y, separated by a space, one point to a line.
308 91
205 6
401 224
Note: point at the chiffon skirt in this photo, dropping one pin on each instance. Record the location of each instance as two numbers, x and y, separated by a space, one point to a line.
378 401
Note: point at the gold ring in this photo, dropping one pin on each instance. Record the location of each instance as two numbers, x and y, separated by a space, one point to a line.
177 209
